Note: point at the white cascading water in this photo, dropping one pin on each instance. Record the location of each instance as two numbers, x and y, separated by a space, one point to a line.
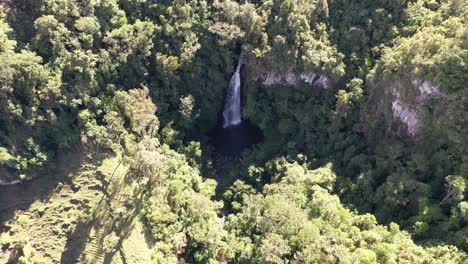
232 104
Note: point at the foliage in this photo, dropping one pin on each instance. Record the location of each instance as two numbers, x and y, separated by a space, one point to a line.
146 79
178 207
295 218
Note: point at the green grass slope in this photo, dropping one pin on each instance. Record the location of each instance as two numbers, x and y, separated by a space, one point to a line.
81 212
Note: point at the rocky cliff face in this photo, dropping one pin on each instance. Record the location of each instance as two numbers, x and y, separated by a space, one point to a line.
13 182
406 110
292 79
403 102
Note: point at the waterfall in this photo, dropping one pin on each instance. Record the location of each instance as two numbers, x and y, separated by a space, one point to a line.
232 104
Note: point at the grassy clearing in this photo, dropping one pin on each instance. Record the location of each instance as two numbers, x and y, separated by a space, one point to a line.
88 214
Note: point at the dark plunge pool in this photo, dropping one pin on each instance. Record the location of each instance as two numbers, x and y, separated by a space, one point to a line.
232 140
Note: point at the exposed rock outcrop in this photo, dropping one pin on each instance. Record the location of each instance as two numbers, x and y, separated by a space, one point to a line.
406 110
405 114
426 90
5 183
290 78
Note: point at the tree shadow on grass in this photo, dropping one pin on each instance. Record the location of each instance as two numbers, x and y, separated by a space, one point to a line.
19 197
81 235
123 225
106 219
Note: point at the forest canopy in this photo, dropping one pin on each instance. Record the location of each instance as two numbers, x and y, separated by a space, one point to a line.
362 107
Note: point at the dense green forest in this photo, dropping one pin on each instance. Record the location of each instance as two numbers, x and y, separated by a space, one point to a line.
363 107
